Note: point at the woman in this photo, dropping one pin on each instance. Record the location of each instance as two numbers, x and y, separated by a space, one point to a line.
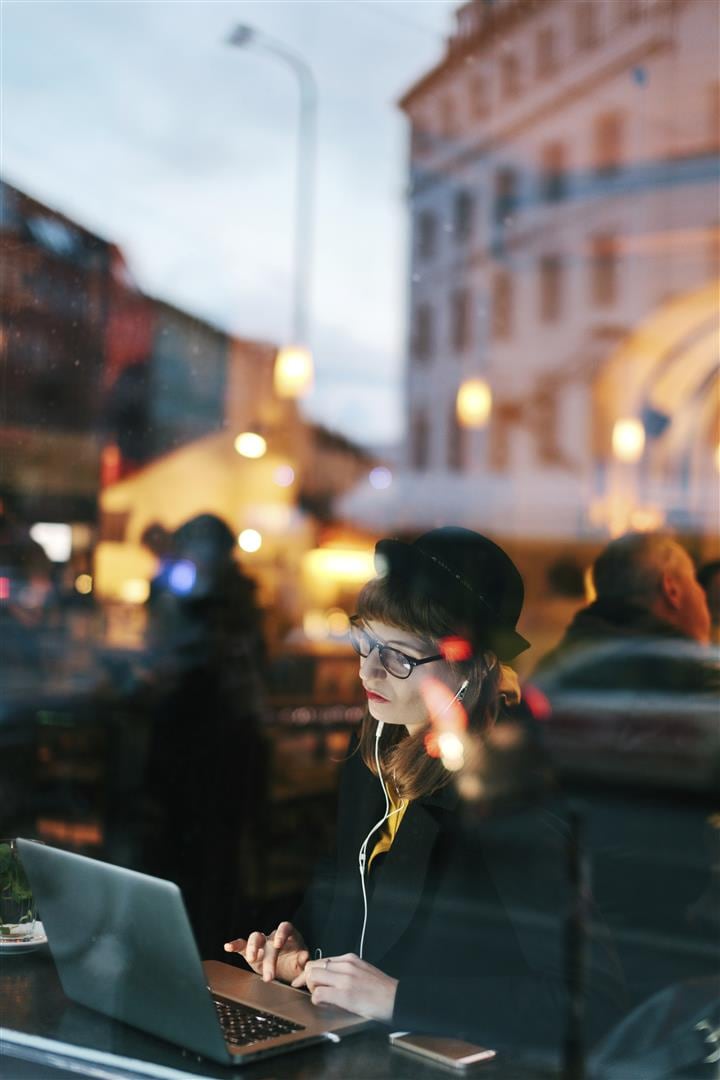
397 922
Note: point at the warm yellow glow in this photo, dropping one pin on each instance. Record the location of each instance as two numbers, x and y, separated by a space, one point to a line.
647 519
628 440
135 590
293 375
250 540
250 445
717 457
83 584
315 625
451 750
339 564
474 403
338 622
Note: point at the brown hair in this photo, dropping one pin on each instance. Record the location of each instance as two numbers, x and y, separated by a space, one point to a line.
404 758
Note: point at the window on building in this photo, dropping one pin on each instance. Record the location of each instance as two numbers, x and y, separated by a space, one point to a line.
480 97
609 130
457 441
546 60
448 117
629 11
586 25
714 115
553 178
420 139
423 340
713 250
506 194
460 330
604 270
502 306
463 216
501 422
509 76
427 234
420 441
551 288
543 422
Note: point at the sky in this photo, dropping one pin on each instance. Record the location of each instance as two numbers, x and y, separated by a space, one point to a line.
137 120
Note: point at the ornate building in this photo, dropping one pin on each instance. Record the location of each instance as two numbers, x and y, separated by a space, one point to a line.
563 198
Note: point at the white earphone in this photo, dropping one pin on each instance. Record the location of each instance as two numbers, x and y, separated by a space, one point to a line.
461 692
362 854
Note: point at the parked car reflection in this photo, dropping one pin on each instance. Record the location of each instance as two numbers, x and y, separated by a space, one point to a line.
648 713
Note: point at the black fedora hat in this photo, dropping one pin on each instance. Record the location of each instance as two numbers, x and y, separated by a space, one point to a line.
468 575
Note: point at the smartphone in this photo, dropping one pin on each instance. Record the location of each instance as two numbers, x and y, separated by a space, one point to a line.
453 1053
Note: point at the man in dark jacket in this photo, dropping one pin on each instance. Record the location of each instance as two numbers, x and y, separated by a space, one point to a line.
646 589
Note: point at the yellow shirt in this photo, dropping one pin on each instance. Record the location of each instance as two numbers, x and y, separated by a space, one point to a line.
397 813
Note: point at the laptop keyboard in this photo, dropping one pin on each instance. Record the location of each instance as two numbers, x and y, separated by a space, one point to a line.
243 1025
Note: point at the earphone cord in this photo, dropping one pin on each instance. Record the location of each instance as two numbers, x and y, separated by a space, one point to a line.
362 855
363 847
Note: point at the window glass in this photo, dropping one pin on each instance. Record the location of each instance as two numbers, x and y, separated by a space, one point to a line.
281 281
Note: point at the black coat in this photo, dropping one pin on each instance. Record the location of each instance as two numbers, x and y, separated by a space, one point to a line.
615 645
466 913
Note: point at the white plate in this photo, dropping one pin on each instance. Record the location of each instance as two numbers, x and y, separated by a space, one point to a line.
10 946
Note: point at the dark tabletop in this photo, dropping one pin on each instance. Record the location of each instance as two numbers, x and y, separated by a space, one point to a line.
32 1001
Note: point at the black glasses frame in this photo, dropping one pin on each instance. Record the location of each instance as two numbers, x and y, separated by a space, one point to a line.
384 649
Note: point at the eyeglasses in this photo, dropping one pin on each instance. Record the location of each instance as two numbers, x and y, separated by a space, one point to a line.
396 663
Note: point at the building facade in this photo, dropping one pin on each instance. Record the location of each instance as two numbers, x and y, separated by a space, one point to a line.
563 195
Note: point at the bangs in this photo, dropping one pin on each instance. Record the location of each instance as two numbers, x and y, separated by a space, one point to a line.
398 606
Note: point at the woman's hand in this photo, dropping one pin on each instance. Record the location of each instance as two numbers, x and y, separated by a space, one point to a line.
280 955
352 984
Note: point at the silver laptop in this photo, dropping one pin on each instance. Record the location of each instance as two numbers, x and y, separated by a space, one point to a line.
123 945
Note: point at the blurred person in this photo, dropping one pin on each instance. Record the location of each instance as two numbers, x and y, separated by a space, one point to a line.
27 618
205 765
396 918
709 579
646 588
632 693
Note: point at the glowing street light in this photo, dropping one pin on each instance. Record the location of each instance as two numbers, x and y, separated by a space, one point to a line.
293 375
293 365
474 403
628 440
250 540
250 445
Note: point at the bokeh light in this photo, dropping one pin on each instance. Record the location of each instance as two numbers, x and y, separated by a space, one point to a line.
284 476
380 478
84 584
135 590
250 540
315 625
338 622
182 577
474 403
251 445
628 440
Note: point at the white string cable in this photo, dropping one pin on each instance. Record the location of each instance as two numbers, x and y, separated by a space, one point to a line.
362 856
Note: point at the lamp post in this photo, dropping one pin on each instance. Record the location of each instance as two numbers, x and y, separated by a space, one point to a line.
293 366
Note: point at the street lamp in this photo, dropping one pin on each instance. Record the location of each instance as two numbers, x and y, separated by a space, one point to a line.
628 440
293 365
474 403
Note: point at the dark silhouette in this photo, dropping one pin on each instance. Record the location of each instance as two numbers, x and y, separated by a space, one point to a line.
206 771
